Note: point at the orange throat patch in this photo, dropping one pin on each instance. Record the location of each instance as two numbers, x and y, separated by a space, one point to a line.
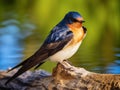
78 32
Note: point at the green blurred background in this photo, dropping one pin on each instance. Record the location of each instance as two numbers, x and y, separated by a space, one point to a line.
24 25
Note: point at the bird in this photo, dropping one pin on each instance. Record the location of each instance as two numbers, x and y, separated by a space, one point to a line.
62 43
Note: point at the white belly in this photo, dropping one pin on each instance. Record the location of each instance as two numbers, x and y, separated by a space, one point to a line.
65 53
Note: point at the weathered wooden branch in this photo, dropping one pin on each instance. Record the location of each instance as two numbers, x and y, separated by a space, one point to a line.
64 77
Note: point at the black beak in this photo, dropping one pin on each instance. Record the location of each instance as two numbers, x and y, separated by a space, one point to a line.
85 29
81 21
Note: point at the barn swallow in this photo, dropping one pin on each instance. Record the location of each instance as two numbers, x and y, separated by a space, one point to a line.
62 43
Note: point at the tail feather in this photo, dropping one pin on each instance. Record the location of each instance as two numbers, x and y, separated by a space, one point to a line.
38 65
26 65
22 63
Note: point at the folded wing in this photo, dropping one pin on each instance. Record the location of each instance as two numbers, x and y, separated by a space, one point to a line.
56 40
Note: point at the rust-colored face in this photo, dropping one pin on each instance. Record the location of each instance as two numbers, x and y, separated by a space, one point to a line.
77 24
81 20
77 29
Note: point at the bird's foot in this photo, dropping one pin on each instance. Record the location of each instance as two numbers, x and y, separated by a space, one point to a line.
67 65
68 62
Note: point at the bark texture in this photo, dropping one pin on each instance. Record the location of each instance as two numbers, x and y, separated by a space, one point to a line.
64 77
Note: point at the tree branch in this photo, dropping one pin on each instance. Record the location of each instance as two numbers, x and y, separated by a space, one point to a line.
64 77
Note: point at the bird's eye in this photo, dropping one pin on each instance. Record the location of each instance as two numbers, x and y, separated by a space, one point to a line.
74 20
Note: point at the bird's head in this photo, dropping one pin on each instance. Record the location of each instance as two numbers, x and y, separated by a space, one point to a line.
74 20
73 17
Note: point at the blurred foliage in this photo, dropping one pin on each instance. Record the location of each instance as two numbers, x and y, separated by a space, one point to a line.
102 21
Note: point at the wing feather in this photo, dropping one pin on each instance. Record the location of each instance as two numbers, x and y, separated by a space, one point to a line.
54 43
